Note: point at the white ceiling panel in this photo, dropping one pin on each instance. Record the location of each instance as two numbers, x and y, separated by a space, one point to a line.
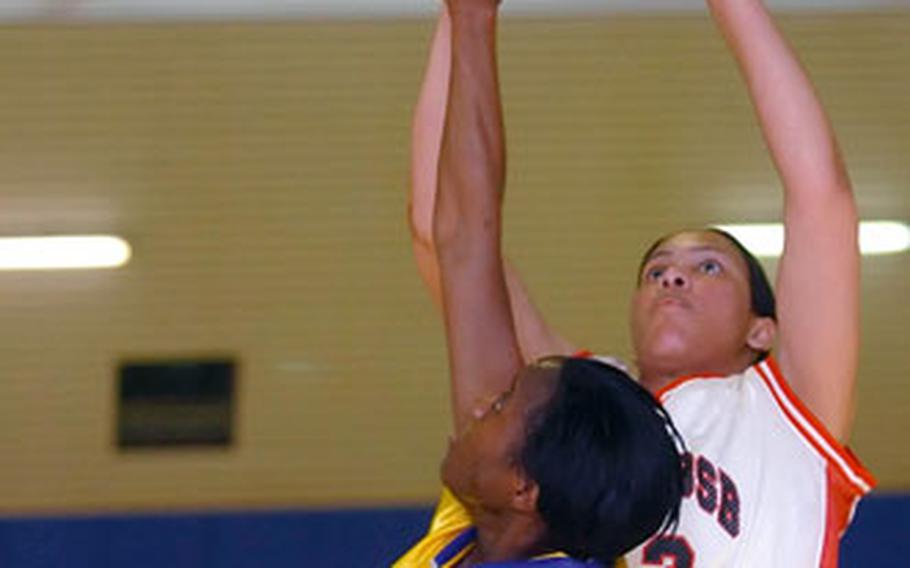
95 10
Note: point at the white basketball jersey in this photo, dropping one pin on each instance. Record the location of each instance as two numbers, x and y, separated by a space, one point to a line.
766 484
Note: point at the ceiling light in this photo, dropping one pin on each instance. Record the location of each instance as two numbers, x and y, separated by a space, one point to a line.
63 252
875 237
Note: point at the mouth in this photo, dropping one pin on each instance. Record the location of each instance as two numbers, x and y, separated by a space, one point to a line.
673 301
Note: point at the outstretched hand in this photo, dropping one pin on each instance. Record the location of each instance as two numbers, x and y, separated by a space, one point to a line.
456 6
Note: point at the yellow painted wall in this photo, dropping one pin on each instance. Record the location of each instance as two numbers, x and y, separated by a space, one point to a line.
259 171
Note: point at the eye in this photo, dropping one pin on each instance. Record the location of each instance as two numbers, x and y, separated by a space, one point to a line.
499 403
710 267
653 273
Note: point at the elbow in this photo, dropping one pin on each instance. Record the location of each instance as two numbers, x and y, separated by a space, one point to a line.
466 216
448 229
420 224
460 239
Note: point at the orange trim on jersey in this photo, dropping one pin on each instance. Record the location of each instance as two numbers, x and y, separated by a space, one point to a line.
679 381
812 429
842 499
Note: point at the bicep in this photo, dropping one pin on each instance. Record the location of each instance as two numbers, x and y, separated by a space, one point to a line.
818 306
535 336
427 266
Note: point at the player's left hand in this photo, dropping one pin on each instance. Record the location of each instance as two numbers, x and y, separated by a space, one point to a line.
460 6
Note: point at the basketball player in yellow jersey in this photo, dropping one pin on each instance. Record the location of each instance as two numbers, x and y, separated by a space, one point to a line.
768 481
566 462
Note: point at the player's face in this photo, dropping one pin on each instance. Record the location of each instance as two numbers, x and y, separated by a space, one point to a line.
482 465
692 310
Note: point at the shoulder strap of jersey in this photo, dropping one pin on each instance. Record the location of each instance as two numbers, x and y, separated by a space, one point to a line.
812 430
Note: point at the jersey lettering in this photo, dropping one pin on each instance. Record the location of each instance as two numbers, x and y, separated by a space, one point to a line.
710 484
707 485
728 515
671 551
687 474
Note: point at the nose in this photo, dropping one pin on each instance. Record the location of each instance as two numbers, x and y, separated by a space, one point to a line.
673 279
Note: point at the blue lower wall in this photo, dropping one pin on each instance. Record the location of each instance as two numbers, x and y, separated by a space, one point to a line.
880 533
270 539
357 538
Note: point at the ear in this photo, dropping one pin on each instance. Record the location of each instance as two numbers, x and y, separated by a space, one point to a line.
761 334
525 493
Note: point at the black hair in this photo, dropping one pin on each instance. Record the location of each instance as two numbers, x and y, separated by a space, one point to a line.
607 461
760 291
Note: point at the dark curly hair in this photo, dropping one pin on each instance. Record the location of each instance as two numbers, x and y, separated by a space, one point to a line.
607 460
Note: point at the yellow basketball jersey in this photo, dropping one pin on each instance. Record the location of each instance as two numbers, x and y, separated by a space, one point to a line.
449 539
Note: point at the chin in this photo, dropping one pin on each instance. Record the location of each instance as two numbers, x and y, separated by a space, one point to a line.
668 356
671 344
445 470
454 472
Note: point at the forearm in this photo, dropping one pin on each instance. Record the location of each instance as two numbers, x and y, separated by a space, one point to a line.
472 161
793 121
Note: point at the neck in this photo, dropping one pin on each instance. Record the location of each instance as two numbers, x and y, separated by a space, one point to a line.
505 536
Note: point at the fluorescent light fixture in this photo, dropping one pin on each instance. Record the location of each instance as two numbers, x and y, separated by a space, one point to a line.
883 237
875 237
63 252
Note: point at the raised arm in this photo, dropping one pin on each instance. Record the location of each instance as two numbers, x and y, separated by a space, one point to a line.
483 350
535 337
818 276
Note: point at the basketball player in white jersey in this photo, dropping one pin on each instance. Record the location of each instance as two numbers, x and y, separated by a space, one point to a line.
770 483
